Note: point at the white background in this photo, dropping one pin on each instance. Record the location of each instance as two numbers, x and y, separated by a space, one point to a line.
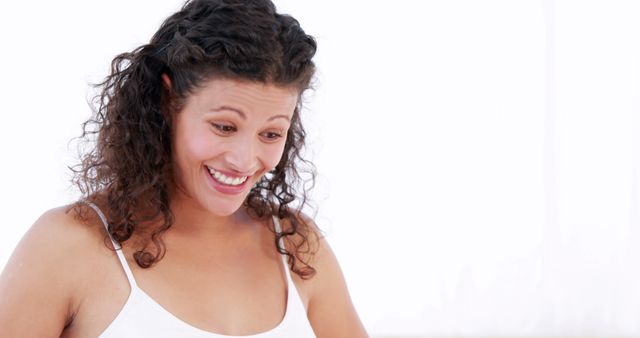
479 161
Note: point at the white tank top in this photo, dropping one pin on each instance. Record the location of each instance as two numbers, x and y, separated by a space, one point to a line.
143 317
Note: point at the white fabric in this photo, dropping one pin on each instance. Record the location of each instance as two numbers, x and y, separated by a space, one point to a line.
143 317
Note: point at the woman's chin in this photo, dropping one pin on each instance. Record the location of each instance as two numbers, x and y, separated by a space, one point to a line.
223 209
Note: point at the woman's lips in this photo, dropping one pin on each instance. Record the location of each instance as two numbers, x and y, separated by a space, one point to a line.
226 178
226 184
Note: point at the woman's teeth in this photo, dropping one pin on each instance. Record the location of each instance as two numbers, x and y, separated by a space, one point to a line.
226 179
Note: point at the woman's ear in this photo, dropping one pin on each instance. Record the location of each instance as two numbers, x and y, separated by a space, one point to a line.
166 81
166 99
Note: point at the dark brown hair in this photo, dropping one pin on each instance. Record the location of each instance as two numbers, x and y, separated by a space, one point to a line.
128 171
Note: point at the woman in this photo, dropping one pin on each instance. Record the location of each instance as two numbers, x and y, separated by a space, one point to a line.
190 224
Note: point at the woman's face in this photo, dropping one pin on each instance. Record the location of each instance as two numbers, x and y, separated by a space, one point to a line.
228 135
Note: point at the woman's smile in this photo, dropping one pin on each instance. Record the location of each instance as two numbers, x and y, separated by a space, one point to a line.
226 184
226 180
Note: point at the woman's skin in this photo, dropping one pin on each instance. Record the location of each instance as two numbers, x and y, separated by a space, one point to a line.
221 269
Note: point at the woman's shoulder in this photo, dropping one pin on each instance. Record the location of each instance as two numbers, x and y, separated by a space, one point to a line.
326 290
65 231
303 236
60 243
52 263
310 246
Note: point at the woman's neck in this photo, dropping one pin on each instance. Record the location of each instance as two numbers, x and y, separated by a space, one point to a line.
192 218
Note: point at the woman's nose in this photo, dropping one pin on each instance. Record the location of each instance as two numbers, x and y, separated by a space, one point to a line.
241 156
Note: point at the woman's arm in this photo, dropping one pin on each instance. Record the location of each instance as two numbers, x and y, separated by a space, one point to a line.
330 310
35 287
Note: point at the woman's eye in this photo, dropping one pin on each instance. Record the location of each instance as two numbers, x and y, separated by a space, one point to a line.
272 136
224 128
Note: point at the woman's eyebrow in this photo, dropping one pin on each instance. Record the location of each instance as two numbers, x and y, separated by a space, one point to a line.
244 116
239 111
279 116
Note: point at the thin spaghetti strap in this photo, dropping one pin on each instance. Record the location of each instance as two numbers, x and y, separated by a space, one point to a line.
116 245
278 228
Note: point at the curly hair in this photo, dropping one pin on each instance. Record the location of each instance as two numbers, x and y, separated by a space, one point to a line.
127 170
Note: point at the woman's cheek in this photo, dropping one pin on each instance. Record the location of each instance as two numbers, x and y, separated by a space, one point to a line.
204 146
275 154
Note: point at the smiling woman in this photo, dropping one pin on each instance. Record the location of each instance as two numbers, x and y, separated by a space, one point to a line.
194 172
226 138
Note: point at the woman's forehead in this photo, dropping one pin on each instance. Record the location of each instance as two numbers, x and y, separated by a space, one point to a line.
246 97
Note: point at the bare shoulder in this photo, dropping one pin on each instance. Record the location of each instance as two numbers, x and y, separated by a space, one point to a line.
59 233
330 309
61 228
45 273
306 240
